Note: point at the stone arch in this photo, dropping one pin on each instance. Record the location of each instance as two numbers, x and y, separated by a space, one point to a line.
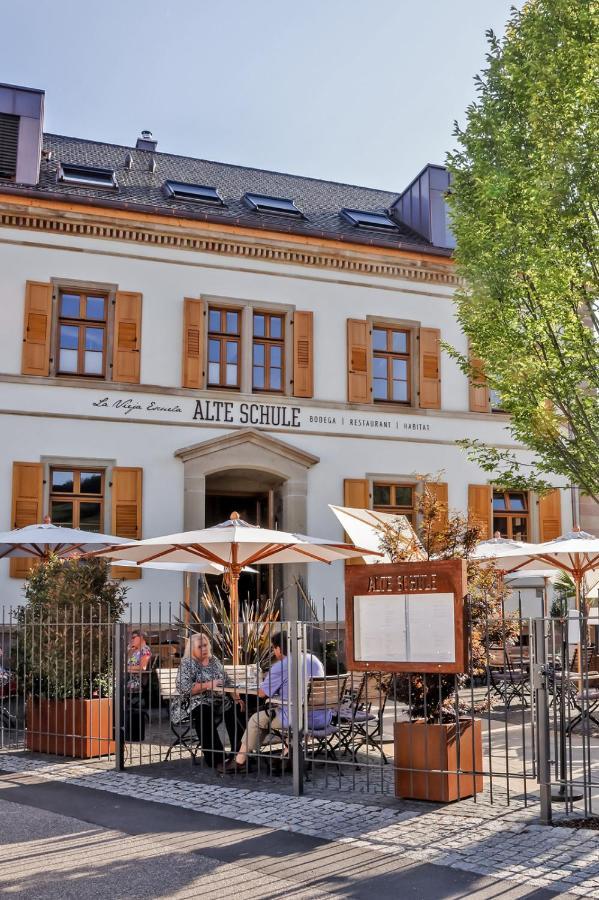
250 450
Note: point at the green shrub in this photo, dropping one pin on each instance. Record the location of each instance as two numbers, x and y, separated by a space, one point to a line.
66 628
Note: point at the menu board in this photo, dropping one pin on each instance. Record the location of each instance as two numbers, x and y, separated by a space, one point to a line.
404 628
406 617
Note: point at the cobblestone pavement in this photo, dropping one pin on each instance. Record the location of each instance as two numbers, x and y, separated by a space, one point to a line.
498 841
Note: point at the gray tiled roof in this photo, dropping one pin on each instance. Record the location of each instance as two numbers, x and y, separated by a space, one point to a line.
141 189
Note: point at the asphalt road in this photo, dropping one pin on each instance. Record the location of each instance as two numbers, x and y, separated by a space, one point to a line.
63 841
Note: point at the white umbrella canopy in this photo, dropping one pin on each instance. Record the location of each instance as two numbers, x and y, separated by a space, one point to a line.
577 553
366 526
199 568
45 539
512 557
233 544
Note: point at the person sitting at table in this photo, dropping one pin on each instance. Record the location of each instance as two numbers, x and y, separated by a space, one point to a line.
139 657
276 686
200 682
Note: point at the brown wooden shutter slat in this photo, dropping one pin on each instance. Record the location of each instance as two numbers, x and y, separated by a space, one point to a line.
480 501
126 357
359 365
440 491
355 494
550 516
27 494
303 354
36 329
126 512
430 368
478 389
193 343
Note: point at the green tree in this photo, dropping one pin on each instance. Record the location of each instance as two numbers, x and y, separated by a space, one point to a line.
525 212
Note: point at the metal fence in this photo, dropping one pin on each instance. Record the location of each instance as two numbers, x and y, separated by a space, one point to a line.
151 692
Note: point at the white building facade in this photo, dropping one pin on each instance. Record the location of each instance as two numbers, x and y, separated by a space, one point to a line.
161 366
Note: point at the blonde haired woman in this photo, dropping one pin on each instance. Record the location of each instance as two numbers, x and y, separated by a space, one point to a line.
200 682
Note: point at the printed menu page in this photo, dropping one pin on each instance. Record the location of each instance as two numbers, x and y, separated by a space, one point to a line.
404 628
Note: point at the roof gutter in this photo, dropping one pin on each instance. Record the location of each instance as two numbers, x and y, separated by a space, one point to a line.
206 216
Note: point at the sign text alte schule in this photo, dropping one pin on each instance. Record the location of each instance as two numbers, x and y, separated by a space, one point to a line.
259 414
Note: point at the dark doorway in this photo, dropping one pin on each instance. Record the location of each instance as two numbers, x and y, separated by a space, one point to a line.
255 496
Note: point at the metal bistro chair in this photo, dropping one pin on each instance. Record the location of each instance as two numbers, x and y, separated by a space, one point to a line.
325 695
361 714
506 680
579 694
167 681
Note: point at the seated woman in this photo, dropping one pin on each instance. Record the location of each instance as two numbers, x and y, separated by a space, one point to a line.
200 682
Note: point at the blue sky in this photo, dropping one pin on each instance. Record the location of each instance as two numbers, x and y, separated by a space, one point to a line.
362 91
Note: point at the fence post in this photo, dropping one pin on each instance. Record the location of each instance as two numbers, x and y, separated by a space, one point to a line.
297 705
119 695
542 711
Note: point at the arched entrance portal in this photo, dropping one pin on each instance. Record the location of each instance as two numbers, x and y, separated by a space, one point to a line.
261 477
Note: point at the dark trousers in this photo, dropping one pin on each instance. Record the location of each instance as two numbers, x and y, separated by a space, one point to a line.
206 719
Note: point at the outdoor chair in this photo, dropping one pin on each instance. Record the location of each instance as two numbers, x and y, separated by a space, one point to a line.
182 734
361 713
580 693
325 695
506 680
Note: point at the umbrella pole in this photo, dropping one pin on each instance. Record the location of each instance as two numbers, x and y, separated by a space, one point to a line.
187 601
581 625
234 603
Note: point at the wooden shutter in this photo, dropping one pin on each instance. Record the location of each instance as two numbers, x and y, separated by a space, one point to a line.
356 494
127 338
480 502
550 516
126 512
303 354
430 368
27 493
359 386
439 490
36 330
194 312
479 400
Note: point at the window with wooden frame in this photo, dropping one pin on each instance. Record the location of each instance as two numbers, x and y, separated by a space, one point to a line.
224 346
511 514
77 497
399 499
268 352
82 327
391 364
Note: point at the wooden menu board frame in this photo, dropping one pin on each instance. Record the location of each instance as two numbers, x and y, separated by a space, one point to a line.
410 579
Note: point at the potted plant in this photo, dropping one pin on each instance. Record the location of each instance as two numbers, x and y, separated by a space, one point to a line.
66 628
438 752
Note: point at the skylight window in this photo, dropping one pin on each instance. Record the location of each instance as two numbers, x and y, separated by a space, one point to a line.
199 193
88 176
278 205
363 219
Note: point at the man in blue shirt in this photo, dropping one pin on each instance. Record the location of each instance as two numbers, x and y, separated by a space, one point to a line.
276 686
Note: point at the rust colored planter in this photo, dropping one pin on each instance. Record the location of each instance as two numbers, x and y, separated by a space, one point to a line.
78 728
426 760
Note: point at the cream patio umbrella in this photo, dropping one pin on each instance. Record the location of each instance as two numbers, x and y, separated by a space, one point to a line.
366 526
511 556
576 553
234 544
45 539
515 558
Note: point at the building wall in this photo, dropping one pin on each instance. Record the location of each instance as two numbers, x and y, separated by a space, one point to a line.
56 418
